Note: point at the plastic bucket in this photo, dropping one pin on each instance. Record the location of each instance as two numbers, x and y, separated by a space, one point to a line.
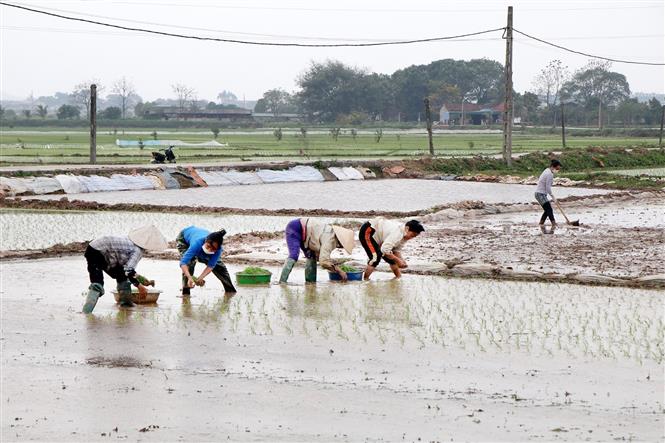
351 276
253 279
150 297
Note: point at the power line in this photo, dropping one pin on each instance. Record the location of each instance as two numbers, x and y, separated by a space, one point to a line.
249 42
616 60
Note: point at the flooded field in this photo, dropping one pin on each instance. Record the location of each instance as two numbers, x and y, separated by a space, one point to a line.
420 358
393 194
39 229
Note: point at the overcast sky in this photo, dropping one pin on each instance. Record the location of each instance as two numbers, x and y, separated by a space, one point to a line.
43 55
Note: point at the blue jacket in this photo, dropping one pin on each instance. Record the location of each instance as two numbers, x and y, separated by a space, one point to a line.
195 237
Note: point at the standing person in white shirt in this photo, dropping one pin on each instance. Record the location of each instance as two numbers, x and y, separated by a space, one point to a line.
543 190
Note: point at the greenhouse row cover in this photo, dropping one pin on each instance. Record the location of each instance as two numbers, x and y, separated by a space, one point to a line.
174 179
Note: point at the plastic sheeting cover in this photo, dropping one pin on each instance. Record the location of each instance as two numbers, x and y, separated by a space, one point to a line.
71 184
133 182
296 174
242 178
96 183
346 173
14 186
216 178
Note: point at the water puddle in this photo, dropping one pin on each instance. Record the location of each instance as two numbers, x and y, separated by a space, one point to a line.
39 229
379 195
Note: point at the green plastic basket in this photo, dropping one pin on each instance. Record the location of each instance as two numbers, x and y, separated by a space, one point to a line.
253 279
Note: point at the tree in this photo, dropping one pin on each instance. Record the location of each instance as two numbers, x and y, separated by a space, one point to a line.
215 132
42 111
26 113
125 90
68 111
275 100
631 112
261 106
526 106
2 111
226 97
183 94
596 85
329 89
81 94
111 113
548 84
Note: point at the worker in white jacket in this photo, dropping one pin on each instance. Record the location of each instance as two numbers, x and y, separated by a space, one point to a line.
383 239
544 189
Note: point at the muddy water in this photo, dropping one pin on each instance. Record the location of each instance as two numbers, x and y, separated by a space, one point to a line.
626 215
393 195
419 358
40 229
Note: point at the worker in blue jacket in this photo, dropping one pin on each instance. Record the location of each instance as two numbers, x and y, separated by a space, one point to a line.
200 245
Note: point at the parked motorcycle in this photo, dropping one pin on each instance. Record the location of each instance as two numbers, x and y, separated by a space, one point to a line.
167 157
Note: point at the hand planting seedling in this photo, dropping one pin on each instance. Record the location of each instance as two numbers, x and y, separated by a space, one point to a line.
144 281
198 281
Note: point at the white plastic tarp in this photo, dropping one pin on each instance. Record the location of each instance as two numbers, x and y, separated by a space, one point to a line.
133 182
307 174
215 178
242 178
71 184
296 174
14 186
43 185
346 173
96 183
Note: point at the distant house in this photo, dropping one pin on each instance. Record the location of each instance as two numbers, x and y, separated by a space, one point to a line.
282 117
471 113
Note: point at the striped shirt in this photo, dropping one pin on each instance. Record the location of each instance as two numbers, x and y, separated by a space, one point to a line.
119 251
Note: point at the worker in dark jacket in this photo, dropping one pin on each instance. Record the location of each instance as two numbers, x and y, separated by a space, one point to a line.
118 257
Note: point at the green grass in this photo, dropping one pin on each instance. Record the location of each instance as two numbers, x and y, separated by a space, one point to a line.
37 146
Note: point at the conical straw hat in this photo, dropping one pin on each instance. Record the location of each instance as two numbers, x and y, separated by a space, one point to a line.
345 237
148 237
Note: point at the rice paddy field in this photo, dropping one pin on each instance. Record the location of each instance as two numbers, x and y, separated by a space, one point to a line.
48 146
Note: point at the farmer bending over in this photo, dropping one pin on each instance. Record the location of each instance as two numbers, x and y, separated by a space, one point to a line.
197 244
317 240
118 257
544 189
383 238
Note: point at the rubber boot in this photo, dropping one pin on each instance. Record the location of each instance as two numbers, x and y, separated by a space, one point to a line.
185 289
310 270
286 270
125 291
95 290
222 274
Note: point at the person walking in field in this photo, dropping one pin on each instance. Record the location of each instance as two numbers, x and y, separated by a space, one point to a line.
118 257
317 241
383 239
198 244
544 189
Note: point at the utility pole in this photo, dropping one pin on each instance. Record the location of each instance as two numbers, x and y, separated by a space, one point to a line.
428 118
563 127
508 98
662 120
93 124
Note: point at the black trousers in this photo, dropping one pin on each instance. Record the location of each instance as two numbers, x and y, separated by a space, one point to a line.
97 266
371 247
548 213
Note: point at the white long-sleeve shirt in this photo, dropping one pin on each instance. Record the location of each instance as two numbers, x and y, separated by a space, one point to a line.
545 182
388 234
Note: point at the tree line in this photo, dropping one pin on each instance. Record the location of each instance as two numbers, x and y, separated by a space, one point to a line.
331 92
